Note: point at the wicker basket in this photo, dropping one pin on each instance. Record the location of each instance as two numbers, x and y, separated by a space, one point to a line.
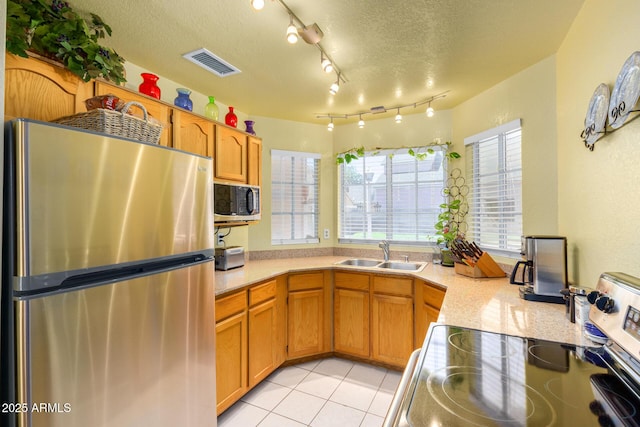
117 123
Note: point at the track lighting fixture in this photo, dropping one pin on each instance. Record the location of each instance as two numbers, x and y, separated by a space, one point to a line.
398 117
330 125
326 65
257 4
311 34
292 31
381 109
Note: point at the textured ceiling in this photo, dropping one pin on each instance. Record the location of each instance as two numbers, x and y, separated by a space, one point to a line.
391 53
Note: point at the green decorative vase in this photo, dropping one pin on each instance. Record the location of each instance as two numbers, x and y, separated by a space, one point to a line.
211 109
447 261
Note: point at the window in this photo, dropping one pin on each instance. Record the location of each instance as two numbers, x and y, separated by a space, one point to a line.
494 175
391 195
294 197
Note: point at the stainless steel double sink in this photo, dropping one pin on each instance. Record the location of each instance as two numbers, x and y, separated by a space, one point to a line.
389 265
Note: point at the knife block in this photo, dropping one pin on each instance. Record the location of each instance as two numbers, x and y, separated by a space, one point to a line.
485 267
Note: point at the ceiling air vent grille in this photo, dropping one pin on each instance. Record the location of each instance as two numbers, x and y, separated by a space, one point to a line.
211 62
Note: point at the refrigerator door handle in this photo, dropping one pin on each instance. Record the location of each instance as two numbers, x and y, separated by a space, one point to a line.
101 276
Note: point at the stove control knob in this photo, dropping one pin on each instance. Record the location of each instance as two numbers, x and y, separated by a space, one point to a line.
605 304
593 296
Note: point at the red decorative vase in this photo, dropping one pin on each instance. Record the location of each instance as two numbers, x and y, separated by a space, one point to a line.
231 119
149 86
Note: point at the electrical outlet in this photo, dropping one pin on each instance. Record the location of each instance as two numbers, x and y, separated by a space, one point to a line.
326 233
220 239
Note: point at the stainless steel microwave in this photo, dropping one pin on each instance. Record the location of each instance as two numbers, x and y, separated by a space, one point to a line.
236 202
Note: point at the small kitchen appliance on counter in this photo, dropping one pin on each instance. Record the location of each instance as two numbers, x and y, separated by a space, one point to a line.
543 271
464 376
228 258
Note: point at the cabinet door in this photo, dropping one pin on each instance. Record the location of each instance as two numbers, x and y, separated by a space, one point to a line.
192 133
306 321
157 109
230 155
254 161
231 360
37 89
351 322
262 342
392 324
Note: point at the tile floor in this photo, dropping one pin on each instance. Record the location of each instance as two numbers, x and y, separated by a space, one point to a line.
331 392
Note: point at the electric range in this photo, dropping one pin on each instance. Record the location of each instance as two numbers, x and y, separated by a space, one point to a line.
467 377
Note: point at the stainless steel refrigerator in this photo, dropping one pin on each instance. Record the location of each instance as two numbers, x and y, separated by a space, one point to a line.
108 282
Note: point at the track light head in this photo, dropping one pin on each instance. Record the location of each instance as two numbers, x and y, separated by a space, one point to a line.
398 117
257 4
325 63
360 122
292 31
335 87
330 126
430 111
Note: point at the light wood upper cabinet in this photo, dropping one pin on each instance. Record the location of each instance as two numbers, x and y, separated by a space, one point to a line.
37 89
230 156
193 133
254 161
157 109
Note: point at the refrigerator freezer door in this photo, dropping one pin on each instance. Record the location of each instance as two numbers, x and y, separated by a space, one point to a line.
134 353
87 200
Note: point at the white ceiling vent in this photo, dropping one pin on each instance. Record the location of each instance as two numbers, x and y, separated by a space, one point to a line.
211 62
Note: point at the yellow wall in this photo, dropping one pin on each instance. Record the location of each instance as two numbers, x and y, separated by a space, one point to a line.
529 95
598 191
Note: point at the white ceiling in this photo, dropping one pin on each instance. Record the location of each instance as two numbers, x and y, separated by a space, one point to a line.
392 53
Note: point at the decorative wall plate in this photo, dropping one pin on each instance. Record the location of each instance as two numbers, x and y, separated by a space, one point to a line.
596 117
625 92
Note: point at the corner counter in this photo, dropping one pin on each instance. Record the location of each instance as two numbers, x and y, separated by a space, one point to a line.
488 304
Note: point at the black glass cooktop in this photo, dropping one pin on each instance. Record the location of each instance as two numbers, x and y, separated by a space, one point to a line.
468 377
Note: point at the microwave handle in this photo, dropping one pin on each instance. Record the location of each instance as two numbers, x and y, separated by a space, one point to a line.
251 200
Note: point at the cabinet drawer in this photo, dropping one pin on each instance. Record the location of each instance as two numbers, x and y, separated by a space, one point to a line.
393 285
352 281
230 305
432 296
262 293
301 282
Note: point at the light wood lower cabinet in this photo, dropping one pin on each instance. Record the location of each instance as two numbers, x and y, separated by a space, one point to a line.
263 324
428 299
309 314
392 320
231 350
351 313
250 340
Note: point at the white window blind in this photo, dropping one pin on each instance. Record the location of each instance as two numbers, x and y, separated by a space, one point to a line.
494 175
391 195
294 197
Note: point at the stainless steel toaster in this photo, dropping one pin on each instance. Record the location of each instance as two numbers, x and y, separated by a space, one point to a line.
228 258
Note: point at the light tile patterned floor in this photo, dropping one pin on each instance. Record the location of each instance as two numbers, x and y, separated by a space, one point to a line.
331 392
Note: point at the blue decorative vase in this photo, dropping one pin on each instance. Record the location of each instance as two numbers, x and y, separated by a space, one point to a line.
183 100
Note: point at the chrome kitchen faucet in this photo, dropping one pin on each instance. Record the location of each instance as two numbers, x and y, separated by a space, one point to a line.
385 249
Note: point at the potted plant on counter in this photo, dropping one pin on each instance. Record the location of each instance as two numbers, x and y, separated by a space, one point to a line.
451 221
52 29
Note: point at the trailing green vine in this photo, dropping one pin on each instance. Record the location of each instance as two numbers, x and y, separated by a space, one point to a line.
359 152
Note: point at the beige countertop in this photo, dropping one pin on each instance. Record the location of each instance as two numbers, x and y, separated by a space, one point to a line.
488 304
